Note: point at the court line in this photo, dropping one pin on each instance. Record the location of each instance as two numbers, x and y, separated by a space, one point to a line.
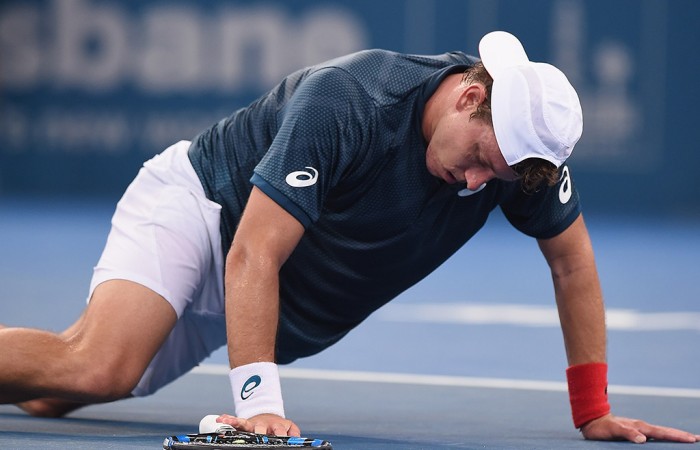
533 316
451 381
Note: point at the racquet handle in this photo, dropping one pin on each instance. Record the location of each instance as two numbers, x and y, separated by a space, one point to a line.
208 424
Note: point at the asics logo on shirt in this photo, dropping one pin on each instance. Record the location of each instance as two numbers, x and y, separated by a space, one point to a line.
302 178
249 386
565 190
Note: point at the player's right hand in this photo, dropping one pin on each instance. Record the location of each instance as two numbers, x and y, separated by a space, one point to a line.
262 424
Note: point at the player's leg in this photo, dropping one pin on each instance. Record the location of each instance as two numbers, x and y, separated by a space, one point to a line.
165 238
53 407
101 359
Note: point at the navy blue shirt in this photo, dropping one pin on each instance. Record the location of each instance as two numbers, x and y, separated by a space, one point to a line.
339 146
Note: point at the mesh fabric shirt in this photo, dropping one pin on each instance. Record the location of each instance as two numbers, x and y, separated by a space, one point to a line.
339 146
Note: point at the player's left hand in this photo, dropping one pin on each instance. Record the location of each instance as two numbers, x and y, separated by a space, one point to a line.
613 428
270 424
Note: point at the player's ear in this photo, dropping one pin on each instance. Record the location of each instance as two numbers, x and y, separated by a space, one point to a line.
471 97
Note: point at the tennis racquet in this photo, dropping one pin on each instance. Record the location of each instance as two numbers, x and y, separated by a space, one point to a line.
232 439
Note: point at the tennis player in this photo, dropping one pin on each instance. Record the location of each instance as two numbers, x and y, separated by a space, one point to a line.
282 227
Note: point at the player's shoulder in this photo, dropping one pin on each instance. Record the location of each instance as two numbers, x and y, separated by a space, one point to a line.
383 74
371 59
389 66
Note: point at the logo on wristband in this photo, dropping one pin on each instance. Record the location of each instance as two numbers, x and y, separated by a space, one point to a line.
249 386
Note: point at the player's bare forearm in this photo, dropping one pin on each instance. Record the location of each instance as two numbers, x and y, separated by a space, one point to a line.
252 309
265 238
582 316
578 293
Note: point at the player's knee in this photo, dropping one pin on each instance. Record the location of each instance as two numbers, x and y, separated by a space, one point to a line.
107 382
100 375
95 373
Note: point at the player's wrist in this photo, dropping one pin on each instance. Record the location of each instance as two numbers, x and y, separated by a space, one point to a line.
588 392
256 390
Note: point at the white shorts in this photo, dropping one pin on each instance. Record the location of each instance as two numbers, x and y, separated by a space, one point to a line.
165 236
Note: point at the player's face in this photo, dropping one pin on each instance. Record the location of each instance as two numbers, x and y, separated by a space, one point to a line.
464 150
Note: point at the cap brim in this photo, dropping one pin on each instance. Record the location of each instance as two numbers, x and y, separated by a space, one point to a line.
500 50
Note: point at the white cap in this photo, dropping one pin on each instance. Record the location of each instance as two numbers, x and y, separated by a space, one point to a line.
536 112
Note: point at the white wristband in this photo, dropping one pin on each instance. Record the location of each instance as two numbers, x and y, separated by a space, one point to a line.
256 390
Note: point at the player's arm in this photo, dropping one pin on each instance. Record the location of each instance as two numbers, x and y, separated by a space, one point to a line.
578 294
265 238
582 315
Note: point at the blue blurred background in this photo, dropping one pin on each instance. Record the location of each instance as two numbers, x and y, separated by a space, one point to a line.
89 89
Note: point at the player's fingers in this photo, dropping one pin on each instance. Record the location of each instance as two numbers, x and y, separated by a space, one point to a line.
294 430
665 433
225 418
279 429
236 422
260 428
629 433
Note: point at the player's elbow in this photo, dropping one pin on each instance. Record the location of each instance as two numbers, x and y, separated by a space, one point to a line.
244 257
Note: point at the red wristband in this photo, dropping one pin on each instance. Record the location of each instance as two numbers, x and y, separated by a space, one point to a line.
588 392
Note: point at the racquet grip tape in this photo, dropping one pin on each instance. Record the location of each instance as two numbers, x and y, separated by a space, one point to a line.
241 440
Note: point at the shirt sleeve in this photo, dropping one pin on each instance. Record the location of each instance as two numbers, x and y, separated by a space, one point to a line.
324 128
547 212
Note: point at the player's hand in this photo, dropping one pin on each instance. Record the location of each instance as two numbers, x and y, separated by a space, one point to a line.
612 428
262 424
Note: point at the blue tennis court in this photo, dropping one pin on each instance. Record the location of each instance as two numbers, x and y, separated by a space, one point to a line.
465 359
